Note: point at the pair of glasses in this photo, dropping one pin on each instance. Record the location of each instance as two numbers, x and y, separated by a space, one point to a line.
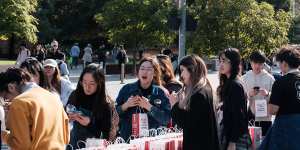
146 69
223 60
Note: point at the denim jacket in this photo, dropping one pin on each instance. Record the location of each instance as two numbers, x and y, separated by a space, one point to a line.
158 116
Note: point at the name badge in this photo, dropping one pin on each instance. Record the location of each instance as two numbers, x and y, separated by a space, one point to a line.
261 108
157 101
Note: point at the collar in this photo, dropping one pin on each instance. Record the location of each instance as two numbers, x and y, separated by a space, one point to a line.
137 87
293 71
28 86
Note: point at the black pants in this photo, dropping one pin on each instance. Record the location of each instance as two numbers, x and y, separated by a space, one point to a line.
265 125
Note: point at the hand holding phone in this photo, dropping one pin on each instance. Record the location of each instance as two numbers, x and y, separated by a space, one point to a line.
256 88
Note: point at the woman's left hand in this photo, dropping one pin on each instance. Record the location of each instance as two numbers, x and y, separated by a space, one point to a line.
144 103
83 120
173 98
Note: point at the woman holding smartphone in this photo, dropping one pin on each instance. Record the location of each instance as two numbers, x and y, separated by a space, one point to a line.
95 115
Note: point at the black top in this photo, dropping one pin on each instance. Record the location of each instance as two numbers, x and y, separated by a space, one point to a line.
199 122
235 120
121 56
286 94
53 55
145 92
40 56
101 55
97 125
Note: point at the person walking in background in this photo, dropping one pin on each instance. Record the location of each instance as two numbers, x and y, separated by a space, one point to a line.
36 117
114 52
22 55
101 53
192 107
63 67
87 56
258 84
57 84
144 95
75 51
98 118
285 103
121 57
233 99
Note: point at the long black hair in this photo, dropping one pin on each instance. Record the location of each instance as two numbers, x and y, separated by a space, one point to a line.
234 56
102 101
102 105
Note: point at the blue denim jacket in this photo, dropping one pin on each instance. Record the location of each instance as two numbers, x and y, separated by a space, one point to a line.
158 116
284 134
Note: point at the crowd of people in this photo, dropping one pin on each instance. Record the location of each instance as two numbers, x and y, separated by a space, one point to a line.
46 112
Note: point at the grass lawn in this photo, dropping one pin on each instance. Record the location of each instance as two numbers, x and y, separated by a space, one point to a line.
7 62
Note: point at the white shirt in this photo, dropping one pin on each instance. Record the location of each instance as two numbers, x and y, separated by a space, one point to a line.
263 80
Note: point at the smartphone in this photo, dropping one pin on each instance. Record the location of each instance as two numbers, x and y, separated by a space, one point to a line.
75 112
256 88
78 112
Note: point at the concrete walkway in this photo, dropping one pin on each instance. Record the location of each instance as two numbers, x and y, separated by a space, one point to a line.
113 83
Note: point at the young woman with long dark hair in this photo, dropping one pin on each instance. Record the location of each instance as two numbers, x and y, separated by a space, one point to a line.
98 117
234 122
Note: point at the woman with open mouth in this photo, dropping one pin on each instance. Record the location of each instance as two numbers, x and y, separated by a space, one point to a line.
143 96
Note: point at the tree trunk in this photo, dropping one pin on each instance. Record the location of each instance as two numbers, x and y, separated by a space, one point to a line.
11 50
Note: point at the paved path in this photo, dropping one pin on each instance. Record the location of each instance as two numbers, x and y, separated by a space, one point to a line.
113 84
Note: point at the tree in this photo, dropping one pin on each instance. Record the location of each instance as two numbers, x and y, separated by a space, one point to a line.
16 19
294 34
69 21
244 24
136 23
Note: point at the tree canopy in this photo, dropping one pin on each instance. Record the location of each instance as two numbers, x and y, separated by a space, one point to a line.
244 24
69 20
136 23
16 18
